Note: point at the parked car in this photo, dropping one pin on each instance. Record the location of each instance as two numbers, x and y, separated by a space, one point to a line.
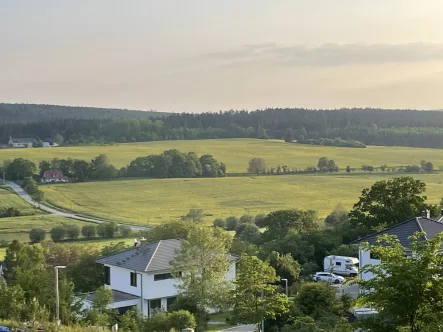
328 277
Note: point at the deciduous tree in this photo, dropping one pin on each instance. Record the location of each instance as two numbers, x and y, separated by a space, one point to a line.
390 202
406 290
257 166
203 258
256 297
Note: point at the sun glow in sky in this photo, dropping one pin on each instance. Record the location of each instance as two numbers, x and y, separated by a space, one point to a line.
207 55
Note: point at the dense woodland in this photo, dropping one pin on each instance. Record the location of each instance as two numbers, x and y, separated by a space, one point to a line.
79 126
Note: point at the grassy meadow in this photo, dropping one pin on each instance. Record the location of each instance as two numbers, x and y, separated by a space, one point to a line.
236 153
153 201
9 199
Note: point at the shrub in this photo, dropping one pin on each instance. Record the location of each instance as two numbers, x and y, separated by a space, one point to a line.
219 223
231 223
101 230
125 230
72 231
58 233
37 235
89 231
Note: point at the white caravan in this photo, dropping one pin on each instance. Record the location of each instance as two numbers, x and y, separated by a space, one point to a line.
347 266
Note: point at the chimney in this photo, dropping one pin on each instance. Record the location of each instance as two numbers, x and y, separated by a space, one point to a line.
426 214
135 243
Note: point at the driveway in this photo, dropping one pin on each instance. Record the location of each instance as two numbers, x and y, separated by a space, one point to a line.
25 196
242 328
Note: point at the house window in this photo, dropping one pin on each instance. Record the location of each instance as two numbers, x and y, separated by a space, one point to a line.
107 275
170 301
338 263
154 305
374 256
133 279
164 276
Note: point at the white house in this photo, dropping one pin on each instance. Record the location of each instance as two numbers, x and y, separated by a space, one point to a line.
403 231
21 142
141 276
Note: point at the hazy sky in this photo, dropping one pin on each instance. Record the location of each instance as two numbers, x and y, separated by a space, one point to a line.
206 55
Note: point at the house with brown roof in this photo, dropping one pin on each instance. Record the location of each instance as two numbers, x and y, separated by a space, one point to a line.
53 176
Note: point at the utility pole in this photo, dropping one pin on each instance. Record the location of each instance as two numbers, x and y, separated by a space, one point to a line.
57 296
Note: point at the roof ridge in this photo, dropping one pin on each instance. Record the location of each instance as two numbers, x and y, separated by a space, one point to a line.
420 227
383 230
153 254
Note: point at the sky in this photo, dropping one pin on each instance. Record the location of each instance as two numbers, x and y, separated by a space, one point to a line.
207 55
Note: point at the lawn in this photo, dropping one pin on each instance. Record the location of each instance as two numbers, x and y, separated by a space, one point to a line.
153 201
236 153
9 199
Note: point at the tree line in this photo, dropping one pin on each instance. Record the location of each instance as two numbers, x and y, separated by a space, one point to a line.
169 164
342 127
105 230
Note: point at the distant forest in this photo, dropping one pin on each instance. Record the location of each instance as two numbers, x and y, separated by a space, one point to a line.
79 125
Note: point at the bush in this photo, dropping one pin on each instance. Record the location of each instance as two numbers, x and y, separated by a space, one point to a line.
10 212
259 218
231 223
37 235
58 233
219 223
125 230
89 231
72 231
101 230
246 218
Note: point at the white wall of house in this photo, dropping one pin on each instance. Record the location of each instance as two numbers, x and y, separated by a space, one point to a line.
365 259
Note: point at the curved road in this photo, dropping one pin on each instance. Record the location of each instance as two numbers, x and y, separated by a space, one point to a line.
25 196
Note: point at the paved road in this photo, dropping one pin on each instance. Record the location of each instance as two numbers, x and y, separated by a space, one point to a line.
242 328
20 192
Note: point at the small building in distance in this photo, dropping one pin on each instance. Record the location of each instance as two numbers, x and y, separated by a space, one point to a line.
53 176
21 142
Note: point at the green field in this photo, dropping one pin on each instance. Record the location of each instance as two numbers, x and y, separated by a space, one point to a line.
236 153
9 199
146 201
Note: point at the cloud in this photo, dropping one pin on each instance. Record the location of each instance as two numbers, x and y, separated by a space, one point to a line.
332 54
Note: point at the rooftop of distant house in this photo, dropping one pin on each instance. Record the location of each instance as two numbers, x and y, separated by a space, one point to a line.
53 174
404 230
147 257
22 140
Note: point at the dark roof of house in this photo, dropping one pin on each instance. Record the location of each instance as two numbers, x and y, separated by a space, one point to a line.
22 140
52 174
117 296
406 229
148 257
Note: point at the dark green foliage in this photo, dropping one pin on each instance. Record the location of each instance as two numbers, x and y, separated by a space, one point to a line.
10 212
37 235
326 165
19 169
279 223
231 223
58 233
333 142
82 126
249 232
72 231
389 202
219 223
175 164
89 231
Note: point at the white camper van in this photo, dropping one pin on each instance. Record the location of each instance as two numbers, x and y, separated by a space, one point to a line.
347 266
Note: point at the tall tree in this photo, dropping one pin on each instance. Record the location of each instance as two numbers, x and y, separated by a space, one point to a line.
256 296
257 166
203 259
389 202
406 291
